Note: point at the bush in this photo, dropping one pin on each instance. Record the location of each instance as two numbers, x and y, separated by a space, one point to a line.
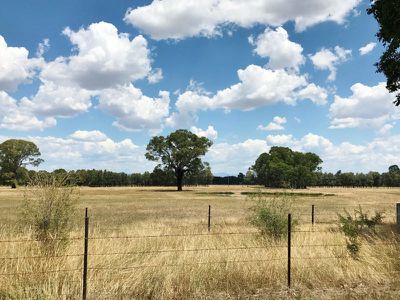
48 209
270 215
356 226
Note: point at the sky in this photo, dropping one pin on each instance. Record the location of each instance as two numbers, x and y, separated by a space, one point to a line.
90 82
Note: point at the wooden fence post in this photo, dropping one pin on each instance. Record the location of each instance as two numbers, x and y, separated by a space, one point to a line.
209 218
289 250
312 214
85 256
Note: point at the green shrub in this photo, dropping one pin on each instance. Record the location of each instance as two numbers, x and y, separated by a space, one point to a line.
270 215
354 227
48 210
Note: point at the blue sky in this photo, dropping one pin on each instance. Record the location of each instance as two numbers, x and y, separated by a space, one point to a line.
91 81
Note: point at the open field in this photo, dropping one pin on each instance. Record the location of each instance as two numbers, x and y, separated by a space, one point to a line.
153 243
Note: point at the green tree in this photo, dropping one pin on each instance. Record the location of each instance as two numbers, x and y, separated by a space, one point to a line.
179 152
15 154
387 14
394 169
282 167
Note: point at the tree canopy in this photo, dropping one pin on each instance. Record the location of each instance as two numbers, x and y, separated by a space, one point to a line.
16 154
283 167
179 152
387 14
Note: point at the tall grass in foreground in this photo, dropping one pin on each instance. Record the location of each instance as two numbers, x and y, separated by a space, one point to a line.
196 274
181 265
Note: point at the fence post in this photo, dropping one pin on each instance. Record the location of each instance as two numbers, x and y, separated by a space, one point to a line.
289 250
209 218
85 256
398 216
312 214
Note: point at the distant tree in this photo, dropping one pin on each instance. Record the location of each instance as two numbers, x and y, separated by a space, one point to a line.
394 169
15 154
249 178
179 152
283 167
387 14
241 178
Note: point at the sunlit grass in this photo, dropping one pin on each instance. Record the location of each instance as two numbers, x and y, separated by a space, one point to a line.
156 268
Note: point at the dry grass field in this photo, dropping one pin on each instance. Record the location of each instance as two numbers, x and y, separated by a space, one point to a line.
153 243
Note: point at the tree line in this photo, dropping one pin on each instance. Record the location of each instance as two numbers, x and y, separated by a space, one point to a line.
179 164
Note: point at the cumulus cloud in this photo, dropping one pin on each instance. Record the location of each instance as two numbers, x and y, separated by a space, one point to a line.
234 158
367 106
91 136
104 58
257 87
209 133
43 47
53 100
155 76
103 64
178 19
15 66
133 110
15 116
327 59
367 48
276 124
282 52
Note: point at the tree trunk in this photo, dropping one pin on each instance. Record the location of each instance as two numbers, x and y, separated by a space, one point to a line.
179 180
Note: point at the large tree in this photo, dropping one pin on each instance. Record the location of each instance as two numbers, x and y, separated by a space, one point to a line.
16 154
387 13
283 167
179 152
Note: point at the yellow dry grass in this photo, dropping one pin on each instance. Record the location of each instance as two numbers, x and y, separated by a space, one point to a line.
187 262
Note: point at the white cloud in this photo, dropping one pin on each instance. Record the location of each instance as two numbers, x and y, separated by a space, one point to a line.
133 110
155 76
257 87
280 139
234 158
282 52
91 136
327 59
316 94
53 100
14 116
43 47
178 19
209 133
385 130
15 66
276 124
367 48
104 58
366 107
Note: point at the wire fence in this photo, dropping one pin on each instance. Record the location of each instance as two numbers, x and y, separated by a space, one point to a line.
284 260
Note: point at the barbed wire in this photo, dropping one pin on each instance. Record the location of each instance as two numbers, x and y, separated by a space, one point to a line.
172 235
41 272
188 264
38 241
40 256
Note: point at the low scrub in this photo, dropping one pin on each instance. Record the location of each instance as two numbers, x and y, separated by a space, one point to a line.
270 215
357 226
48 210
